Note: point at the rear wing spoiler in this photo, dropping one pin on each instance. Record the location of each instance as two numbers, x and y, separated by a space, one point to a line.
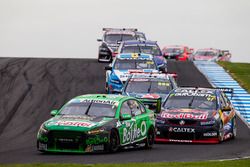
226 90
120 29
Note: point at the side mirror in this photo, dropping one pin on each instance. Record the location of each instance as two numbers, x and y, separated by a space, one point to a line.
226 108
53 112
107 68
125 117
99 40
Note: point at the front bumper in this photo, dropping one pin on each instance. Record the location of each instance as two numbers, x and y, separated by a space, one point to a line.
187 134
72 142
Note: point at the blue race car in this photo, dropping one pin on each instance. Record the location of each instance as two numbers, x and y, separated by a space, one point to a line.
144 46
125 64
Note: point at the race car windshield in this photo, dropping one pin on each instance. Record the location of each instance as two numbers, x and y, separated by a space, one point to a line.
114 38
205 53
194 102
174 50
160 87
90 109
134 64
148 49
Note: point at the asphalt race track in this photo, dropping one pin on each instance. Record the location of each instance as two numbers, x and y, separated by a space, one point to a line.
31 88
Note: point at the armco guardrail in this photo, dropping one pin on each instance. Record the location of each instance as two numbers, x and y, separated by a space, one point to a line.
218 77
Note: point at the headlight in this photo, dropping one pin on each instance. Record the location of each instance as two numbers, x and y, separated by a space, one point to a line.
43 129
96 131
208 123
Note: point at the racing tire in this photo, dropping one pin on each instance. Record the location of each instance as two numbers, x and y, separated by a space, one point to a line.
149 141
106 87
234 130
114 142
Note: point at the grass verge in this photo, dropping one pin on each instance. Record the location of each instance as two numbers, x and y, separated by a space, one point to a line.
239 71
229 163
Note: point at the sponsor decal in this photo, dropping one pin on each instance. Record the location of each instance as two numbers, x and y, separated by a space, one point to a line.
42 146
43 139
187 110
118 124
74 123
65 140
133 133
182 141
98 147
194 92
138 80
181 130
211 122
185 116
111 102
228 136
96 140
210 134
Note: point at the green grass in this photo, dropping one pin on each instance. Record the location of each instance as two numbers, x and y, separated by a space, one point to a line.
230 163
239 71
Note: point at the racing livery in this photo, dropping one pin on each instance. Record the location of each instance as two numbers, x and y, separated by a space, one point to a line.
211 54
145 46
125 64
112 37
198 115
150 88
97 122
177 52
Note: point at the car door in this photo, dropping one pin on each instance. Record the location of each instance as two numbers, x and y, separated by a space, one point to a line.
141 119
126 126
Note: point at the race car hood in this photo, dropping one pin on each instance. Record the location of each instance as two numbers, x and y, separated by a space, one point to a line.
207 58
81 123
186 114
147 95
124 74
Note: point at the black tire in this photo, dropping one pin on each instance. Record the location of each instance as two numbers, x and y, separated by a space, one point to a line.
149 141
114 142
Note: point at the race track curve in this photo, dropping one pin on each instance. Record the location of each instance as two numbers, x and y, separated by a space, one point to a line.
31 88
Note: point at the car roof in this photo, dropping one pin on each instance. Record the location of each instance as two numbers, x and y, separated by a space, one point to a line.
135 56
208 49
174 46
129 31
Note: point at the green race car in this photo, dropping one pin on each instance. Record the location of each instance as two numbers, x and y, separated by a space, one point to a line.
97 122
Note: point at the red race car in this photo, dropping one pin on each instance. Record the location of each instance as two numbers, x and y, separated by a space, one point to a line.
177 52
211 54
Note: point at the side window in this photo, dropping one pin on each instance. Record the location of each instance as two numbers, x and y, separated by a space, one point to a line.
142 108
227 101
125 109
222 101
135 107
